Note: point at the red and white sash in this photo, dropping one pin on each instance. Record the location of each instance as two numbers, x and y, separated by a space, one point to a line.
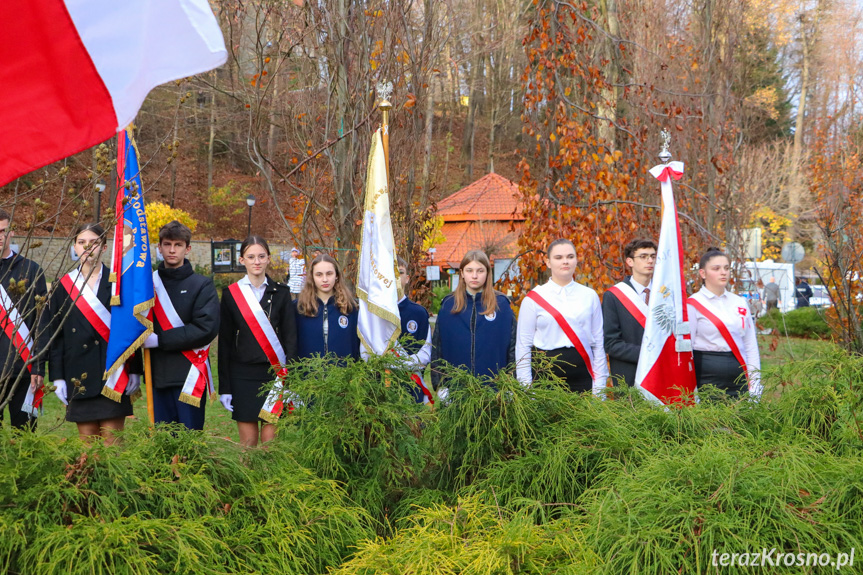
251 310
418 379
567 329
200 376
19 334
98 316
631 301
713 317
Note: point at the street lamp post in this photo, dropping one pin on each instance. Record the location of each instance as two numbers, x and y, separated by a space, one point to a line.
100 187
250 201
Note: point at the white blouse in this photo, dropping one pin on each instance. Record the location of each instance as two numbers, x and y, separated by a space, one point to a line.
258 291
580 306
733 310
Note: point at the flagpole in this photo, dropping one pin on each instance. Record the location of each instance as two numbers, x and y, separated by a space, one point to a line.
148 382
384 90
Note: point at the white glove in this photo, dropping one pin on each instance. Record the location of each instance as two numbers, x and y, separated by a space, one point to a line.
60 391
151 341
227 401
291 397
133 385
443 394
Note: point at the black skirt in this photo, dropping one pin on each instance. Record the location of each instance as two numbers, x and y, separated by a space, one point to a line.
721 370
248 387
97 409
569 366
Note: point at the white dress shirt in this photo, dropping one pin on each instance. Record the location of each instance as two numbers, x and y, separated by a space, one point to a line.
258 291
580 306
639 289
733 310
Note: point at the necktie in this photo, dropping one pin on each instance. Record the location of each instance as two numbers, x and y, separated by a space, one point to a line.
646 293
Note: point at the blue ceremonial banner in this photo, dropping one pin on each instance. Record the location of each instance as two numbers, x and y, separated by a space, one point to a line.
131 271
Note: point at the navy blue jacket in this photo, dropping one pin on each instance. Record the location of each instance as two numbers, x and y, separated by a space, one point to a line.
481 344
415 324
340 339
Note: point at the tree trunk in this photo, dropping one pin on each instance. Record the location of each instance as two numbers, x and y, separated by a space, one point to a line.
174 146
607 105
468 133
427 149
210 152
794 190
493 110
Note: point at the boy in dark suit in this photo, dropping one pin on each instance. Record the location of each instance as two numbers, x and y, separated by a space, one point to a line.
624 308
24 293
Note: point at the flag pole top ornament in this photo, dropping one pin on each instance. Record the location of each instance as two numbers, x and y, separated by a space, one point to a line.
664 154
385 91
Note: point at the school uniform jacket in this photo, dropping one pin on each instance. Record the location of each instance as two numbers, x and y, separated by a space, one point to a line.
238 347
17 268
415 325
340 336
78 351
482 344
195 299
623 335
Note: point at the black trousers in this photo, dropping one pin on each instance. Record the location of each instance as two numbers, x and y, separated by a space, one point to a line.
18 418
722 370
568 365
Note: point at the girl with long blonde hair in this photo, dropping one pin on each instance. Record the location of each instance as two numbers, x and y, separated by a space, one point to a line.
475 326
327 312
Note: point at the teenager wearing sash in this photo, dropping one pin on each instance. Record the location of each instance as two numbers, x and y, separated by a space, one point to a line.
23 332
475 327
725 348
563 319
326 313
81 324
185 322
624 311
257 338
416 337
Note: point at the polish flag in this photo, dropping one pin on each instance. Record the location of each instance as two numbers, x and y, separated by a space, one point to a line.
665 365
74 72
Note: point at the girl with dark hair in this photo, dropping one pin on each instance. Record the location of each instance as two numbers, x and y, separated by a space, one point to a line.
475 326
563 319
327 312
724 344
257 338
80 308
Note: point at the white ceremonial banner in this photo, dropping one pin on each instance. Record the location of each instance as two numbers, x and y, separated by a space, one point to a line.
378 285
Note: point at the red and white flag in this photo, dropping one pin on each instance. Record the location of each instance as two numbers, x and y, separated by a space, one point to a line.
665 372
74 72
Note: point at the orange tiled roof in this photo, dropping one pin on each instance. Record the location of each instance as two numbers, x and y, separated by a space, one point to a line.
462 237
492 197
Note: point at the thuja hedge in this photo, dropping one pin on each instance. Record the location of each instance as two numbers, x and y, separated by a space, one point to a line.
167 501
499 480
